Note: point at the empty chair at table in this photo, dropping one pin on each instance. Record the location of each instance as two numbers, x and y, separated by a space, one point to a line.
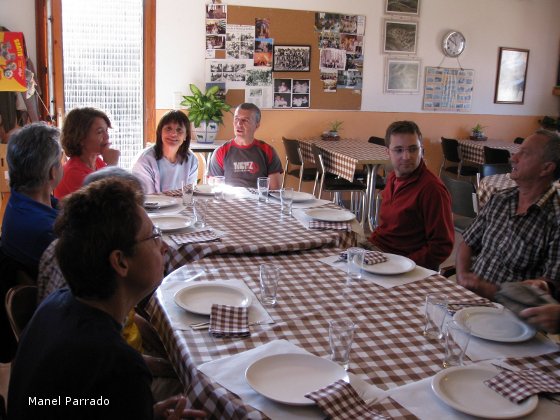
489 169
493 155
518 140
452 153
294 159
380 180
463 197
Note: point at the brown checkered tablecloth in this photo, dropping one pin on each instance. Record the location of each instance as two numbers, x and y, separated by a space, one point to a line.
253 228
343 156
489 185
473 150
389 349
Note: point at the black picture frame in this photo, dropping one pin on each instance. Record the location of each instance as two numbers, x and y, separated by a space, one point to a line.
292 58
511 77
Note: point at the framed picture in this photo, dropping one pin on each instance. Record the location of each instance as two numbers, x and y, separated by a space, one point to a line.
400 37
511 76
402 7
292 58
402 75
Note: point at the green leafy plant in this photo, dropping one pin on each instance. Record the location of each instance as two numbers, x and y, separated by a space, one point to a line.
205 107
478 128
335 126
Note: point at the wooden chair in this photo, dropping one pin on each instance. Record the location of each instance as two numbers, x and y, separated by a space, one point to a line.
493 155
21 302
463 196
489 169
452 153
294 158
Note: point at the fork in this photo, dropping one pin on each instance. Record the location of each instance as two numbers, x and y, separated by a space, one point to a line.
205 324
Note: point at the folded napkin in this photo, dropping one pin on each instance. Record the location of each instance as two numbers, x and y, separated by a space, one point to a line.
174 193
521 384
341 401
229 321
323 225
370 257
518 296
207 235
453 307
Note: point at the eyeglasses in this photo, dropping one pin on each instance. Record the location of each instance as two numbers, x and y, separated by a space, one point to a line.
410 149
156 236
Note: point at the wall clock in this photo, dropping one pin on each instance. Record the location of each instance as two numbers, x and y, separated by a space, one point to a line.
453 44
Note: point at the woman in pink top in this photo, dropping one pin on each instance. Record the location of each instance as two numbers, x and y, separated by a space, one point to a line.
85 137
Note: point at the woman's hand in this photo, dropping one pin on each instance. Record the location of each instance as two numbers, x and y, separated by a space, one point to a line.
174 408
110 156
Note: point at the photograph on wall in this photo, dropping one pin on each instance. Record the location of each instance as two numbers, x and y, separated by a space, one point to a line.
215 26
402 7
259 76
261 96
329 40
301 85
400 37
232 72
300 101
12 62
216 11
240 41
512 74
354 62
215 42
351 43
328 80
262 28
349 24
263 52
283 85
292 58
282 100
329 58
327 22
350 79
402 75
448 89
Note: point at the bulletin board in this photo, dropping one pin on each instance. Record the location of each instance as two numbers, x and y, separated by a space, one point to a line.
294 27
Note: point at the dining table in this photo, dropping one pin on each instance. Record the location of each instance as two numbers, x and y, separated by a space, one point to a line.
343 157
473 150
489 185
389 351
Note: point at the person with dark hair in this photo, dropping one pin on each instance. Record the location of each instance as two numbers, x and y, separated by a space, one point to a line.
243 159
516 236
85 137
72 361
35 169
165 165
415 218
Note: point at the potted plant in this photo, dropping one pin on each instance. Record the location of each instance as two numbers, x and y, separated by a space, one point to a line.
334 127
477 132
206 112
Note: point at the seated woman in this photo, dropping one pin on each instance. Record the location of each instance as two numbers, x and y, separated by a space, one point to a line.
165 165
85 137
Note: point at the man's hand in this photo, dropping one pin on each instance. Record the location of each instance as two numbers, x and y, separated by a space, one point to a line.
174 409
546 317
475 283
538 283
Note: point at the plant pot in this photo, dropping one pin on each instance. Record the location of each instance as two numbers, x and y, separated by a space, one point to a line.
478 135
205 133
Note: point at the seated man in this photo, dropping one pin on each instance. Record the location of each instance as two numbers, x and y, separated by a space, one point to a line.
35 169
244 159
72 353
415 218
516 235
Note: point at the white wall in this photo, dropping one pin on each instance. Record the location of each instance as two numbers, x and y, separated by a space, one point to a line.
19 16
487 25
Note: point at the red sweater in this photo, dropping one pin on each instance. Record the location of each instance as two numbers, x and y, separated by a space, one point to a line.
415 218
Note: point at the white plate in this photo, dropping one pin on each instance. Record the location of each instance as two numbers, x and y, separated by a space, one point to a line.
204 189
395 264
199 297
330 215
154 202
462 388
171 223
286 378
298 197
494 324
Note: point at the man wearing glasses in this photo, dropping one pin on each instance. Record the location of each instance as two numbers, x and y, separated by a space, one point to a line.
415 217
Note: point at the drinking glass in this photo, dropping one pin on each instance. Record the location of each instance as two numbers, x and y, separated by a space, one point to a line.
355 261
286 200
187 190
263 184
218 187
200 208
457 339
341 336
269 277
435 312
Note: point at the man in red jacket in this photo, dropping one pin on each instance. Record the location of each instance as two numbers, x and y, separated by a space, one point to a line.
415 217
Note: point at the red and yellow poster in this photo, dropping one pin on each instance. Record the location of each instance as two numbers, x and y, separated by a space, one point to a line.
12 62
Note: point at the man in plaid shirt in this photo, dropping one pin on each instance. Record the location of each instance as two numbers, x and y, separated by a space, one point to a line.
516 236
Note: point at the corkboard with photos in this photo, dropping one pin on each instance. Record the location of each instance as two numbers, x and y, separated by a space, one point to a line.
280 58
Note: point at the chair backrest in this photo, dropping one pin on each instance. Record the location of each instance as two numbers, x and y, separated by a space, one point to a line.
291 147
492 155
518 140
450 148
461 196
494 169
318 159
377 140
21 302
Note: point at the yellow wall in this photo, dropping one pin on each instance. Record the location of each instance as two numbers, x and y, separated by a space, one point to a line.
362 124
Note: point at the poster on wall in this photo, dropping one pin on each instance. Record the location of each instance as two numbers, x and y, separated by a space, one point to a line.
12 62
402 7
402 75
240 41
448 89
232 72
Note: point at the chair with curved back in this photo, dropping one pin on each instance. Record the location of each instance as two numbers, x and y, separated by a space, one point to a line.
463 195
518 140
294 158
489 169
21 302
380 141
493 155
452 153
336 185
